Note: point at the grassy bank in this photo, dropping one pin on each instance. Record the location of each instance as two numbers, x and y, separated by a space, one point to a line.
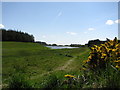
40 64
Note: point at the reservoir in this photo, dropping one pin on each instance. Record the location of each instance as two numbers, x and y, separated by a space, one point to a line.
60 47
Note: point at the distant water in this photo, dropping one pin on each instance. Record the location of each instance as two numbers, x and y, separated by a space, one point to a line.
59 47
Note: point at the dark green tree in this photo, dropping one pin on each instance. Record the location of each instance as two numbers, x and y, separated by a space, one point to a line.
18 36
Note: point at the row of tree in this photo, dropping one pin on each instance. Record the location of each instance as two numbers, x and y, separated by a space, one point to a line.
11 35
97 42
42 43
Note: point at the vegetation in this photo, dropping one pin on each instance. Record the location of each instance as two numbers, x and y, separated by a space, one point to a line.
97 42
101 70
31 65
77 45
11 35
42 43
101 56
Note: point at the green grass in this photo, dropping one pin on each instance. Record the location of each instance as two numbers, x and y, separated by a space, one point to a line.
31 65
40 63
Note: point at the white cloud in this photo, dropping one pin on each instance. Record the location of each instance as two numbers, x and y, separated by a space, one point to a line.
59 14
43 36
109 22
71 33
91 29
1 26
117 21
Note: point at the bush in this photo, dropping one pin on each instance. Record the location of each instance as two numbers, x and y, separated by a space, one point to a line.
102 69
104 55
104 65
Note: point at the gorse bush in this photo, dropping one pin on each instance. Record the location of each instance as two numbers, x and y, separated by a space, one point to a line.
101 70
104 63
104 55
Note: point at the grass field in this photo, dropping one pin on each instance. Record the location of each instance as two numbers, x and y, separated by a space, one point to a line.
40 64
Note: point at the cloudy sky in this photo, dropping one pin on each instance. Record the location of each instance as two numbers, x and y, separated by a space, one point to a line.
62 22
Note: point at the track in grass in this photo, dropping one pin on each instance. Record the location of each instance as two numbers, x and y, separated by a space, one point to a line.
70 61
63 67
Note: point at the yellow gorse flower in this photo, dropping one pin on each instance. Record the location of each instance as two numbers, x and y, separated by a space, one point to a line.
113 50
86 61
117 66
104 54
69 76
117 61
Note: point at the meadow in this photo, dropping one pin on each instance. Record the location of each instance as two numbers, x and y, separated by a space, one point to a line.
31 65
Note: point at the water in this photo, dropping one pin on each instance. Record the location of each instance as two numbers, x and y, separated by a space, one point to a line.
60 47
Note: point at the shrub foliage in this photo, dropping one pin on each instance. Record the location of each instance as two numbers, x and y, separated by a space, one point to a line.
107 53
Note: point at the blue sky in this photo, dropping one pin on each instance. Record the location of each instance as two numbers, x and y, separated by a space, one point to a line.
63 22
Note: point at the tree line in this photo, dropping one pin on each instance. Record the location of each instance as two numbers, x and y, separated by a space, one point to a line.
18 36
97 42
12 35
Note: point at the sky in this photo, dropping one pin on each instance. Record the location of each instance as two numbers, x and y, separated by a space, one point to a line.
62 22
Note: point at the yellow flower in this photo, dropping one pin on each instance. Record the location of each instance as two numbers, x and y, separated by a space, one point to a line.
89 58
92 48
117 61
86 61
95 46
113 50
103 54
117 45
117 66
102 57
69 76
